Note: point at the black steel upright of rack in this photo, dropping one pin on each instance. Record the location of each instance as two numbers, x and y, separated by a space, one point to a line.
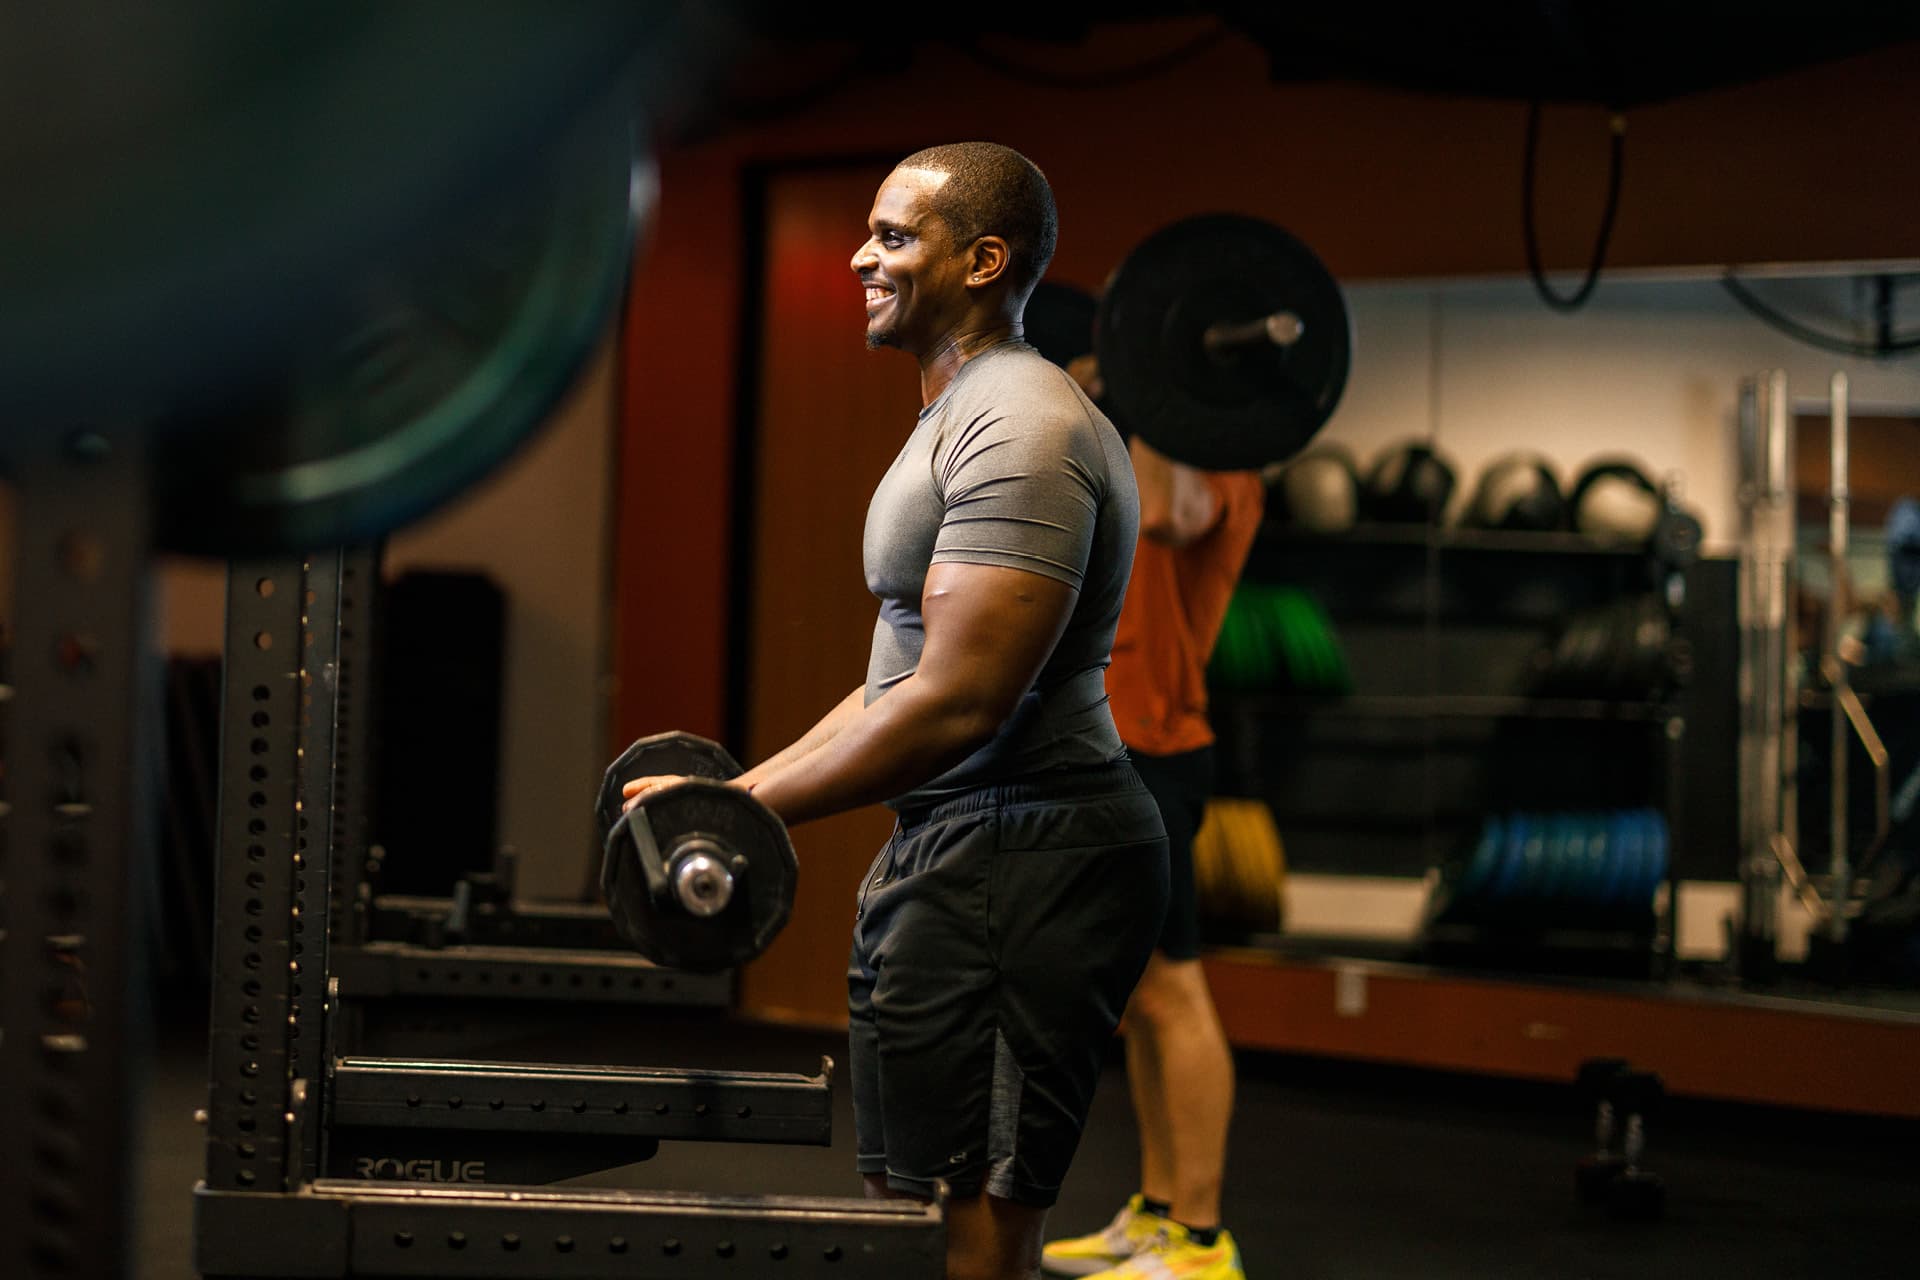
72 830
322 1162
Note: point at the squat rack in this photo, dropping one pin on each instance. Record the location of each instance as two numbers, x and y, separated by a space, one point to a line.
1773 678
285 1107
305 1141
480 946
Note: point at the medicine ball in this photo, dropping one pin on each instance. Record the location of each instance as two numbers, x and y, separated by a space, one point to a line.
1519 492
1615 499
1059 321
1318 491
1410 484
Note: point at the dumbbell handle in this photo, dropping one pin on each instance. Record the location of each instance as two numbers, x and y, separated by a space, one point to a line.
1281 329
653 867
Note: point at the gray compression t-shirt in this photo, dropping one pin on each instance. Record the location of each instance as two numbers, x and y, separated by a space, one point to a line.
1012 465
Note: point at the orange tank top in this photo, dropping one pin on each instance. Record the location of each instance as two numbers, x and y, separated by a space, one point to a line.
1175 604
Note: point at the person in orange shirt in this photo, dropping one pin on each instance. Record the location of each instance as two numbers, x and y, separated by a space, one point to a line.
1196 529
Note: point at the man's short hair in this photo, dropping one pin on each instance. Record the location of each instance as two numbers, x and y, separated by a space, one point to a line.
993 190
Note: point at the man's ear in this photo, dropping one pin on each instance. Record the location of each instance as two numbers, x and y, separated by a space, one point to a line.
991 260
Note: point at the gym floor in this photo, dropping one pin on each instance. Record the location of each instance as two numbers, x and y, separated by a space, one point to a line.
1336 1170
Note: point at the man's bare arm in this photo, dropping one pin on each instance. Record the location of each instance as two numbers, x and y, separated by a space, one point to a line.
989 631
1177 505
812 740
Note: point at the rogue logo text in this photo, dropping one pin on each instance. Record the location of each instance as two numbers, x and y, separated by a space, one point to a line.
422 1170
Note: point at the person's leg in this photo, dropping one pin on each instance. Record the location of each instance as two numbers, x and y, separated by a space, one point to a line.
933 1075
1179 1070
1078 898
987 1238
1186 1100
1146 1088
993 1239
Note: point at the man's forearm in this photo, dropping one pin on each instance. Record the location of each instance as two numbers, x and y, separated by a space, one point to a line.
902 740
823 732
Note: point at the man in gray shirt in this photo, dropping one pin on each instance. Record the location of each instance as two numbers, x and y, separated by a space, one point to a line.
1011 466
1004 924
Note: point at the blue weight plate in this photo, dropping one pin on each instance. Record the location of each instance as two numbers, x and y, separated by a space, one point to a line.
1540 881
1573 889
1592 858
1580 839
1593 877
1633 896
1533 867
1512 856
1620 861
1657 851
1554 868
1480 867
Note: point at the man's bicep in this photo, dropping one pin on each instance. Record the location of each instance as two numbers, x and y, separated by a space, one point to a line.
1022 496
990 630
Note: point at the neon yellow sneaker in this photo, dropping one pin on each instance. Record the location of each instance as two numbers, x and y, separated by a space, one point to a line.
1131 1230
1171 1255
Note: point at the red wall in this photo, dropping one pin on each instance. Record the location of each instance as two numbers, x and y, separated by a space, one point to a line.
830 418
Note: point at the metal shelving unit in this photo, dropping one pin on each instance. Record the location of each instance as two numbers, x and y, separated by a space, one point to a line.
1442 628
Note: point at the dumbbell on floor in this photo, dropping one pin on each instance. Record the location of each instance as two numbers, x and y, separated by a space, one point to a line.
1595 1172
1624 1100
1636 1193
699 875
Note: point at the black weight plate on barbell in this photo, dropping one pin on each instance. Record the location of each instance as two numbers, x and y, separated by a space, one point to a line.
662 754
194 190
442 370
738 823
1236 414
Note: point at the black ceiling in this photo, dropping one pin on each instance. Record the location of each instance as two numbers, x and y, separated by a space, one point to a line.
1613 54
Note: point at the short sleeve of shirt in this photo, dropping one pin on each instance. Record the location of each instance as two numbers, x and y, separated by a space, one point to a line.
1023 495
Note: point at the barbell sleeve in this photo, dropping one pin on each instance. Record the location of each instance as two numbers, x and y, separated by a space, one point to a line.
1228 338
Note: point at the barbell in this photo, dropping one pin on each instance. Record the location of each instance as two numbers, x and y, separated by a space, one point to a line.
1224 342
699 875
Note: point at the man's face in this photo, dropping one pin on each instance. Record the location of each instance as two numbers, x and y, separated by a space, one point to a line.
913 271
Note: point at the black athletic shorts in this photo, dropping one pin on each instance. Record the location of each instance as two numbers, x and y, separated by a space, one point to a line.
997 938
1180 785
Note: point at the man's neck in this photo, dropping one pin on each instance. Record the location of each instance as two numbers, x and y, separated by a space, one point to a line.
941 363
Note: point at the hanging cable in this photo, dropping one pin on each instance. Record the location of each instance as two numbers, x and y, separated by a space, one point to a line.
1886 347
1116 78
1616 164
